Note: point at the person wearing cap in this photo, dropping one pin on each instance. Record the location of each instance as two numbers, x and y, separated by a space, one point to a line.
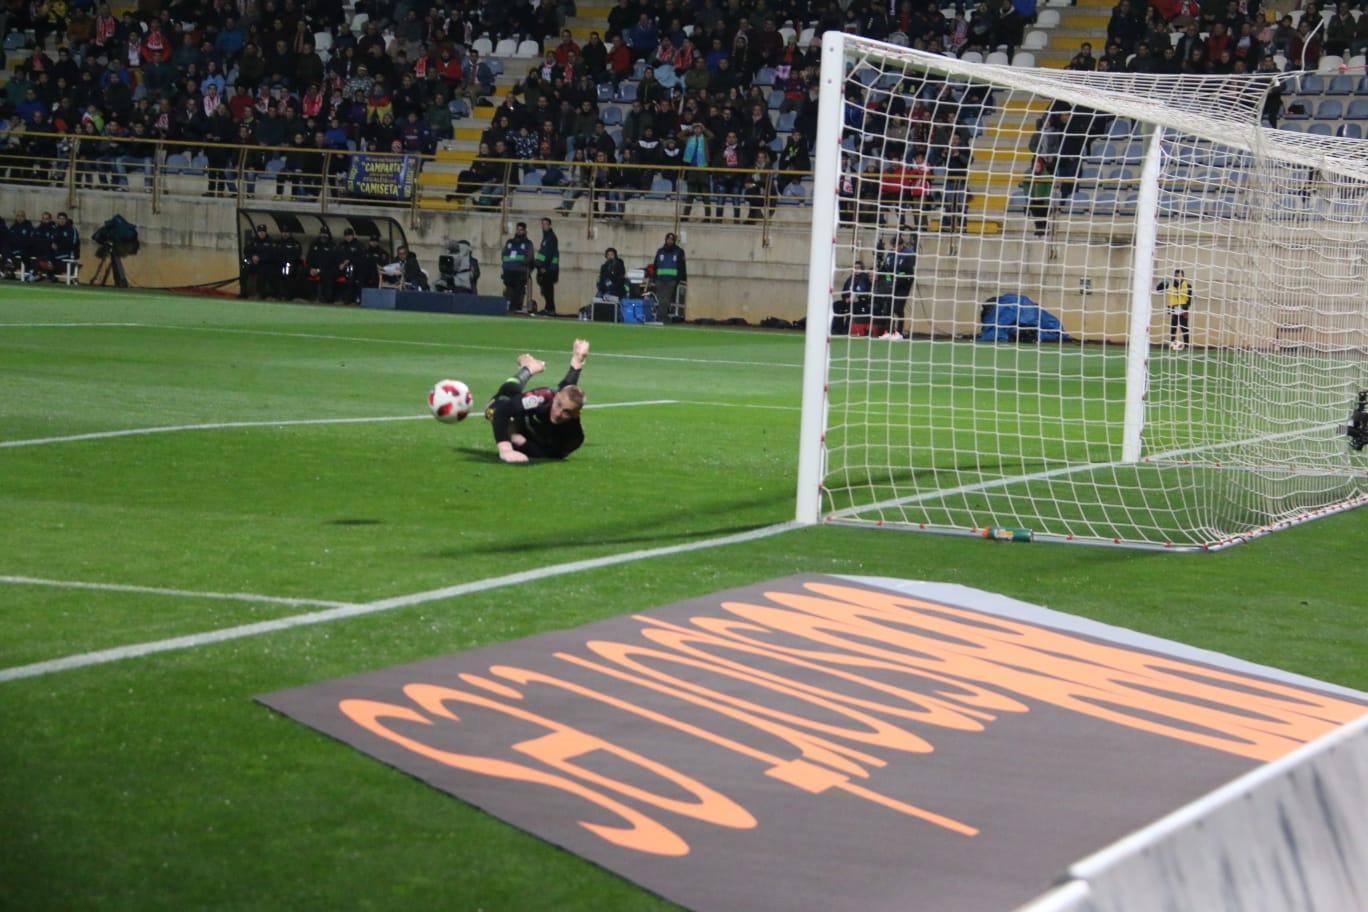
258 258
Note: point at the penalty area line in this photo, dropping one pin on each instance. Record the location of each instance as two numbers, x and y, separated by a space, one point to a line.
345 610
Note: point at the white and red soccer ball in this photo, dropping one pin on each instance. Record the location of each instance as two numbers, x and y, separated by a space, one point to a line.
450 401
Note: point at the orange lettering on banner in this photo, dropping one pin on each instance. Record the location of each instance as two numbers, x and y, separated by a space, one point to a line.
867 667
641 833
818 749
799 773
1260 720
911 705
563 742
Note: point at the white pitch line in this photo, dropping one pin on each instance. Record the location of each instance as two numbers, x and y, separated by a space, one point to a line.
229 425
64 325
345 610
180 593
220 426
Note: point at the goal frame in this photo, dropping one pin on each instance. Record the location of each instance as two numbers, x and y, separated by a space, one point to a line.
1246 133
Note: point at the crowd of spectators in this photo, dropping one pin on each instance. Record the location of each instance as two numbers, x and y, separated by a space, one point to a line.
298 79
1220 38
698 80
283 74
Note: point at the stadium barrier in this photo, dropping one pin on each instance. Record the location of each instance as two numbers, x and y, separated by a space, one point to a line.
1290 835
325 179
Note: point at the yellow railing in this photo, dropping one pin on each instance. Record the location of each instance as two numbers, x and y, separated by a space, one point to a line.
323 180
599 192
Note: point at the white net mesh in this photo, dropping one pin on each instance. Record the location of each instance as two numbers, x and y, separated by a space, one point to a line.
1027 372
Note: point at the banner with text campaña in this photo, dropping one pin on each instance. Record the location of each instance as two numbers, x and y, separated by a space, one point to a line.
382 176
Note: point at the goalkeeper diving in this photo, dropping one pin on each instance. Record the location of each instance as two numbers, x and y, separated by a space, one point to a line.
539 423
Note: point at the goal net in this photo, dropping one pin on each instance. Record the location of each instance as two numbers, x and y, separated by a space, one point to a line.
1098 307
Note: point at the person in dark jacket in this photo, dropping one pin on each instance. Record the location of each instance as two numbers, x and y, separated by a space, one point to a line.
258 260
319 266
612 277
517 264
669 272
547 263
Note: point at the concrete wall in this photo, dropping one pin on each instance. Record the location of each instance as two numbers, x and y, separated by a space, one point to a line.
193 241
734 272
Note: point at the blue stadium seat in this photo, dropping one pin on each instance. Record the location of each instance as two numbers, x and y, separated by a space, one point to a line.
627 92
786 122
1104 203
1342 84
1123 174
1362 87
1320 129
776 98
605 92
1080 203
1311 84
611 115
1357 110
1222 207
1194 206
1329 109
764 77
660 188
179 161
532 179
1121 128
1350 130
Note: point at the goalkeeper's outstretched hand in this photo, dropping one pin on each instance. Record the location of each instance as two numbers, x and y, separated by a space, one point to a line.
533 365
579 353
508 454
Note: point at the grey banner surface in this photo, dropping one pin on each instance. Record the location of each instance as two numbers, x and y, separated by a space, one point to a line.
827 743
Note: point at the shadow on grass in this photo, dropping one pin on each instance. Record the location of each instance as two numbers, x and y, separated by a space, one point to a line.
639 534
491 455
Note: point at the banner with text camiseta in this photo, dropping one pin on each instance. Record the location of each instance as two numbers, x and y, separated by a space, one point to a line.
382 176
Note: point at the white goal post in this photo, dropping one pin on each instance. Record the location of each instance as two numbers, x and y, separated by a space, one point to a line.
1012 361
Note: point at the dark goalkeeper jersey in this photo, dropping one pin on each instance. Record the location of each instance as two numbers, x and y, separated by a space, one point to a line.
529 413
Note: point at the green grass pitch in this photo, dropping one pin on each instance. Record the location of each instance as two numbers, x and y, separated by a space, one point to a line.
296 460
